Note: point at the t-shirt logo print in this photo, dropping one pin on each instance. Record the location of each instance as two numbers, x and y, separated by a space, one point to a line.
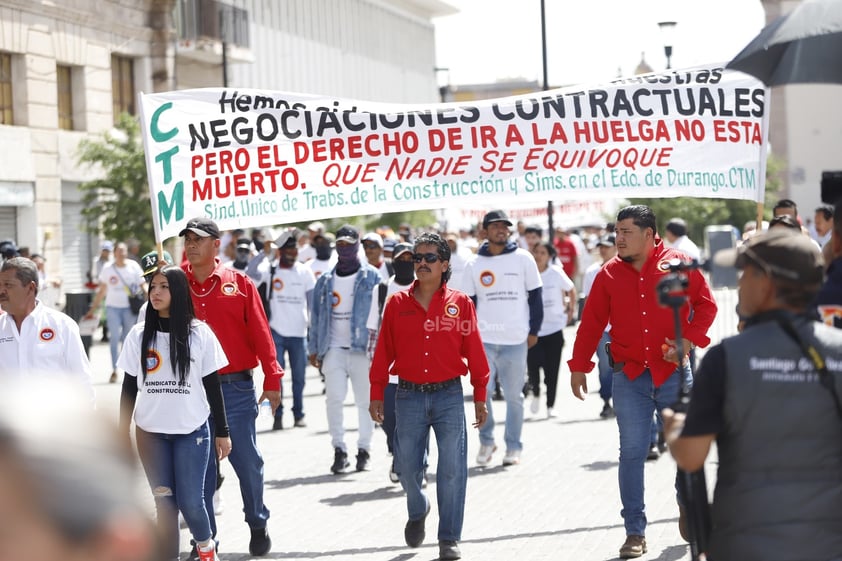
451 310
47 334
336 299
153 361
277 285
486 278
664 265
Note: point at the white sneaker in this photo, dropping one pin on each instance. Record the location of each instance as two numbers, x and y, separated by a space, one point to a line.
218 503
511 458
535 405
550 413
485 452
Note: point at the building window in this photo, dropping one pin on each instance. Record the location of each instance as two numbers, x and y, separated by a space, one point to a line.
6 115
65 97
122 85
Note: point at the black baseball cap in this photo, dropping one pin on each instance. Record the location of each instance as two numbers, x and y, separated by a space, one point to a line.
495 216
400 249
201 226
288 238
347 233
608 240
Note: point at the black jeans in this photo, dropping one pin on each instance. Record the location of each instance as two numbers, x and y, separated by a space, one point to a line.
545 354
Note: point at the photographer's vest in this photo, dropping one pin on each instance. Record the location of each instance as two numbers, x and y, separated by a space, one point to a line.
779 485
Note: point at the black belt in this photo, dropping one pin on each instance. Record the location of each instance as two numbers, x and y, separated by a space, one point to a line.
426 388
241 376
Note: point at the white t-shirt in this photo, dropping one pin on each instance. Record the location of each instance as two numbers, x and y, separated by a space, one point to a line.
343 307
587 283
117 295
556 283
48 344
685 244
458 266
319 266
375 313
306 253
288 299
501 284
164 405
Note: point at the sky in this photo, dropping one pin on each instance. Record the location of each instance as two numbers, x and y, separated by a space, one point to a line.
588 41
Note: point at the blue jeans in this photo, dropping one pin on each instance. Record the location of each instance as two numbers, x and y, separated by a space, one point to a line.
389 416
245 458
119 321
606 374
635 402
174 464
296 347
443 411
508 363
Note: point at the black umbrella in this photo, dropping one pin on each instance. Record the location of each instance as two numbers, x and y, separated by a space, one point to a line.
803 46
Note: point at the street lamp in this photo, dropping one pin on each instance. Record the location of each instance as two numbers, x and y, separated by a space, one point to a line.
667 31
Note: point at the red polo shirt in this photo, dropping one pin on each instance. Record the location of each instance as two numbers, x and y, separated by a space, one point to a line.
228 301
628 299
426 346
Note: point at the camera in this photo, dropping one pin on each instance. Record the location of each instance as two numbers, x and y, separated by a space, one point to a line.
672 289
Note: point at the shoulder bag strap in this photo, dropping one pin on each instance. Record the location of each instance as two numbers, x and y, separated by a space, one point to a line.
811 352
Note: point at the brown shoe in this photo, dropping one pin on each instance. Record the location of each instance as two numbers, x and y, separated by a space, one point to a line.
635 546
682 524
113 378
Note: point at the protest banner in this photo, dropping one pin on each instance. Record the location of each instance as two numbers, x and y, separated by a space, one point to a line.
249 158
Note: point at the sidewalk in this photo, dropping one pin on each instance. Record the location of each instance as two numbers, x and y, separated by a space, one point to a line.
561 503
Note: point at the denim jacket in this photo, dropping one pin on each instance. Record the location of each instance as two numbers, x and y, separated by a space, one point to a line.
322 307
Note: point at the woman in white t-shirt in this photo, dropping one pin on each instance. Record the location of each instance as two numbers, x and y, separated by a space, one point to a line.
559 296
171 384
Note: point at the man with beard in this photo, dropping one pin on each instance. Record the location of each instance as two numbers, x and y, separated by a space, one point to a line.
338 342
288 286
505 283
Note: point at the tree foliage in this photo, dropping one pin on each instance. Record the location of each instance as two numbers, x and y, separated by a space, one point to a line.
699 213
117 204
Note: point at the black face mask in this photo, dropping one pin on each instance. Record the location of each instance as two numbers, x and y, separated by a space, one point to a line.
404 271
323 252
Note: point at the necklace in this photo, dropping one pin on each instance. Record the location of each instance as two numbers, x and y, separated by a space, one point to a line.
204 294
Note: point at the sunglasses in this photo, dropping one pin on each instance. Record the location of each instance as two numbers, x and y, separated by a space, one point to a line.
428 257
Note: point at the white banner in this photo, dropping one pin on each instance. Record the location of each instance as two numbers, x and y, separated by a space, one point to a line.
249 158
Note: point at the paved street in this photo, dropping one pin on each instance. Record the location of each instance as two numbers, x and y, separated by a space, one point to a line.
560 503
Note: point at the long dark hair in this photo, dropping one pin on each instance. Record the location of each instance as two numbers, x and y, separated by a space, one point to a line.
181 320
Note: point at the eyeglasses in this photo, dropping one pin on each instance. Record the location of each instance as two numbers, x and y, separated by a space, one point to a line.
428 257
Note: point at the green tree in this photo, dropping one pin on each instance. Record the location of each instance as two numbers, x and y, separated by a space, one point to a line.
117 204
699 213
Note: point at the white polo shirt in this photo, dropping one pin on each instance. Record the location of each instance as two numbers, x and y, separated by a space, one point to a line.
501 284
164 405
48 344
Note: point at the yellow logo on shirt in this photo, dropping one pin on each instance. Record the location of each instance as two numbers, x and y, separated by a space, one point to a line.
153 361
229 289
47 335
664 265
451 310
486 278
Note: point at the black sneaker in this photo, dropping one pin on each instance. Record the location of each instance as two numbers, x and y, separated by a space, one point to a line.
654 453
363 458
278 423
340 461
607 411
414 531
260 542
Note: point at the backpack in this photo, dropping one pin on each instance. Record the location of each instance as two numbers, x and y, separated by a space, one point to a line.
265 291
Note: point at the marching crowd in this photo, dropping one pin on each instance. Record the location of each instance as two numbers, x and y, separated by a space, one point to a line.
404 316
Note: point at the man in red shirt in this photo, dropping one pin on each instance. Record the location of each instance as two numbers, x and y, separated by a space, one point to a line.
229 303
426 333
648 366
567 253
